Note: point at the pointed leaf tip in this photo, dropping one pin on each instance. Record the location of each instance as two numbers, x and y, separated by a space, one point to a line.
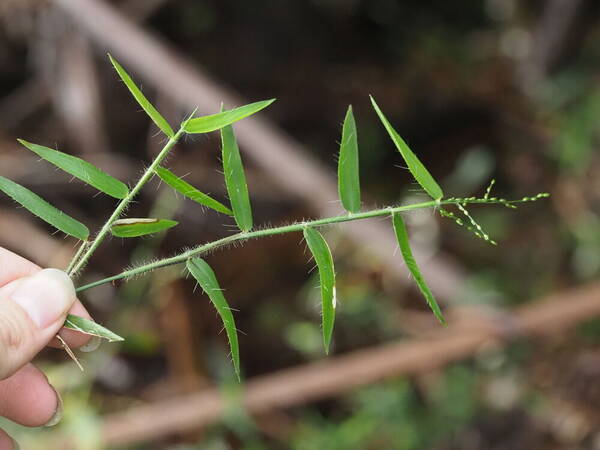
152 112
348 166
90 327
411 264
129 228
235 179
213 122
206 278
415 166
189 191
44 210
322 255
80 169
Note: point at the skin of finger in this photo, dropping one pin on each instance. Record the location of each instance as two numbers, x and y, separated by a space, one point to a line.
13 267
6 443
21 339
27 398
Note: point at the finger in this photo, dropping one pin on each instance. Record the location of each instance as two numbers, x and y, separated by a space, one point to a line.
14 267
32 310
6 442
28 398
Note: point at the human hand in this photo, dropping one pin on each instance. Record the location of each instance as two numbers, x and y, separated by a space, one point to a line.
33 307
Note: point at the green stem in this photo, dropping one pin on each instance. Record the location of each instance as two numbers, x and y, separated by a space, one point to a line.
243 236
148 173
78 254
295 227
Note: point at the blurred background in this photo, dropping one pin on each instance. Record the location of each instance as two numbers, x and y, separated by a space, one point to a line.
480 89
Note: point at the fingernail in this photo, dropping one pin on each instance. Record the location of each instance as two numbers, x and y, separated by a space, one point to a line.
57 417
45 296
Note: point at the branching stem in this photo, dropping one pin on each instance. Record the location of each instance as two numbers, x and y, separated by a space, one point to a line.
78 254
295 227
147 175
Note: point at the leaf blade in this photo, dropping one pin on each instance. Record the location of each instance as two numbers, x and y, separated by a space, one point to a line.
130 228
81 169
213 122
206 278
44 210
152 112
415 166
90 327
322 255
411 264
348 168
189 191
235 179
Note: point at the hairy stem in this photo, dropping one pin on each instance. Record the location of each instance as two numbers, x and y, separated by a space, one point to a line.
295 227
147 175
78 254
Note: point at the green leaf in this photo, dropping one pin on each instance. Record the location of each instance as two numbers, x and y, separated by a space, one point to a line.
402 237
348 175
214 122
44 210
142 100
205 276
235 180
129 228
81 169
190 191
322 255
416 167
90 327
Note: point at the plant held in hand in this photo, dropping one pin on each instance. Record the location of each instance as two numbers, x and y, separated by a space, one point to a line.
240 209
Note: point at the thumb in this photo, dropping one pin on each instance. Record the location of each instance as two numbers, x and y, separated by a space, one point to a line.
32 311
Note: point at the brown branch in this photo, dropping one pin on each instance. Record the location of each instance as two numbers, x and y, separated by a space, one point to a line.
333 376
286 161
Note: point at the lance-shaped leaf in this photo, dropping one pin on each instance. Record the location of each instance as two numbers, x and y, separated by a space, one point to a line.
81 169
402 237
128 228
206 124
348 174
235 179
206 278
190 191
416 167
322 255
44 210
142 100
90 327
